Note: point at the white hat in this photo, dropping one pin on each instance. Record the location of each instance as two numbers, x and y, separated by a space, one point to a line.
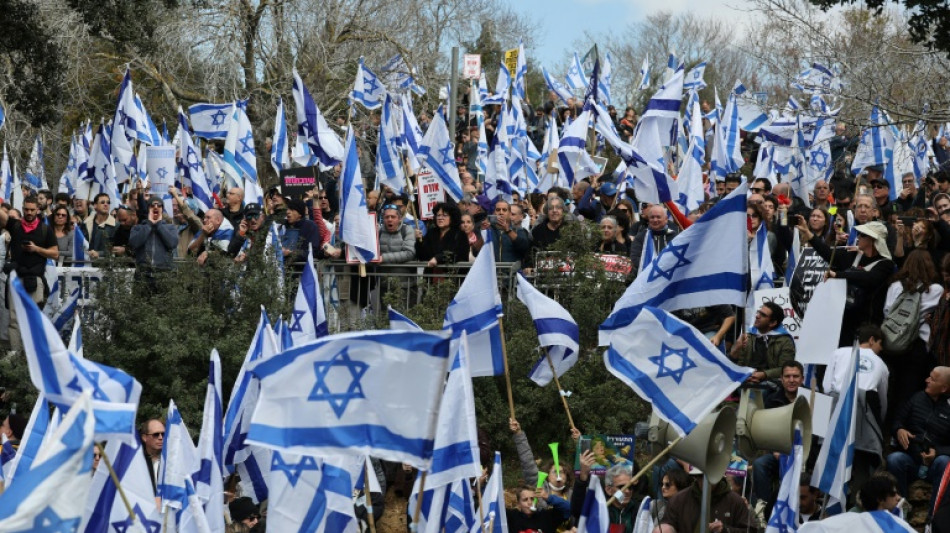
877 231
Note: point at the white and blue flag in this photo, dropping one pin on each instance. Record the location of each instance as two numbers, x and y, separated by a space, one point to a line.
48 497
784 517
704 265
29 447
445 509
690 181
877 148
818 79
644 75
694 79
310 494
210 121
559 89
354 396
308 320
670 364
280 149
192 169
7 178
105 510
411 135
401 322
356 227
80 248
558 333
519 89
493 501
209 478
438 152
576 164
368 90
174 483
389 167
313 127
240 158
760 267
576 79
595 518
833 468
35 174
868 522
726 153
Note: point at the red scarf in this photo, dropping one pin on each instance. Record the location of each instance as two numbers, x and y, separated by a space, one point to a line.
29 226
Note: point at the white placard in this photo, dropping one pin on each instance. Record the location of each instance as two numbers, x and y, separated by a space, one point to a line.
430 192
780 297
161 168
820 411
471 66
821 326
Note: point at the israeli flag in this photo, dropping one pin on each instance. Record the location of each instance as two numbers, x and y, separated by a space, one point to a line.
63 377
643 523
308 320
356 227
368 90
147 132
670 364
192 168
922 151
493 501
761 268
694 79
752 116
726 154
869 522
502 84
68 178
210 121
518 90
105 510
606 75
644 75
785 512
356 401
448 508
401 322
497 172
130 113
174 483
690 181
595 518
240 159
438 152
80 248
313 127
411 135
576 78
557 332
389 167
576 164
704 265
794 254
279 152
310 494
209 478
35 173
6 176
818 79
302 155
48 496
833 468
3 117
559 89
33 436
672 64
475 310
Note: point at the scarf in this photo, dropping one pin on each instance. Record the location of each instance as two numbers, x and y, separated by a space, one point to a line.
29 226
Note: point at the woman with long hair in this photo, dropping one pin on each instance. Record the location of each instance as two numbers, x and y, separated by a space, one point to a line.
444 242
918 275
474 237
65 232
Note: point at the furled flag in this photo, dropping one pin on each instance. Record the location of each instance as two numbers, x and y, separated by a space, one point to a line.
761 268
279 150
209 479
643 523
367 88
690 180
356 399
29 447
670 364
794 253
174 483
704 265
559 89
35 173
519 89
493 501
411 135
785 512
595 518
644 75
867 522
308 320
210 121
922 151
694 79
80 249
105 509
48 497
726 153
438 152
606 76
445 509
240 159
475 310
310 494
558 333
818 79
62 376
192 168
576 164
389 167
6 177
399 321
833 469
575 75
356 227
313 127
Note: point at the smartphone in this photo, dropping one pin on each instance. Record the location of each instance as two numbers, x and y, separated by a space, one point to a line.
908 221
584 444
493 219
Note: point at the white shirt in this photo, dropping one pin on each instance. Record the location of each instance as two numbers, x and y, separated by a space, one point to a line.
928 302
872 373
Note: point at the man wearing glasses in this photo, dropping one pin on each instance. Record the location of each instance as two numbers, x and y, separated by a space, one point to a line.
153 438
100 226
767 346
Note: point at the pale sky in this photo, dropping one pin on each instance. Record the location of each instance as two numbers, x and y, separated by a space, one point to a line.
561 22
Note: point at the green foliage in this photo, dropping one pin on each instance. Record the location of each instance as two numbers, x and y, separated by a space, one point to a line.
928 23
127 24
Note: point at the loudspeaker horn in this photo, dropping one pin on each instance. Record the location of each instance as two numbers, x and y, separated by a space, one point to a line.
707 447
771 429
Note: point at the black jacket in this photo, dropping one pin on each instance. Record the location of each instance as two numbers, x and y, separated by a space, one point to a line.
925 418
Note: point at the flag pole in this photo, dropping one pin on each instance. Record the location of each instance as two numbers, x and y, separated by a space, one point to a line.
478 496
409 191
369 497
645 468
115 479
418 511
560 391
504 357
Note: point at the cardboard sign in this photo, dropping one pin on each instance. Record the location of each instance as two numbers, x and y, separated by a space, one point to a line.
809 272
471 66
296 181
353 258
821 327
617 267
608 450
820 411
511 61
161 168
430 192
780 297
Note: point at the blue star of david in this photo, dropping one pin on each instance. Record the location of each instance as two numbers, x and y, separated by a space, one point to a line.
362 195
695 74
921 149
765 280
217 119
162 172
370 86
49 522
338 400
192 159
779 516
151 526
72 163
293 471
247 143
679 252
667 371
447 154
819 158
295 320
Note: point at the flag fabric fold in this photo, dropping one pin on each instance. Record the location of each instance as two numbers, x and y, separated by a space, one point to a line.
557 331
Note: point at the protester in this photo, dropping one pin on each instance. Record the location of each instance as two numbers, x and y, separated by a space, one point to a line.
153 244
674 481
625 499
444 243
765 468
656 229
727 511
65 232
152 434
767 346
475 241
560 478
613 240
100 227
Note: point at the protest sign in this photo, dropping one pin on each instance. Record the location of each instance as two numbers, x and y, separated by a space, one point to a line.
160 168
471 66
809 271
430 192
296 181
608 450
780 297
821 327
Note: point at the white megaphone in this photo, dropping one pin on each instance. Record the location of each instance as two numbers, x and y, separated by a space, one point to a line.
708 446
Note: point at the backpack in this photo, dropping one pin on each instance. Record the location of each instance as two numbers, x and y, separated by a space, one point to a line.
902 323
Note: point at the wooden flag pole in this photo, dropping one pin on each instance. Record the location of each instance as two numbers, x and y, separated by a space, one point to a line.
504 357
418 511
557 383
115 479
369 498
645 468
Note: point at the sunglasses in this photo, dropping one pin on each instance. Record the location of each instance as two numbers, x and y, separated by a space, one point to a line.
156 435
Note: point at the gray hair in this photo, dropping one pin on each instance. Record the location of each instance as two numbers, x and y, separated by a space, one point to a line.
615 471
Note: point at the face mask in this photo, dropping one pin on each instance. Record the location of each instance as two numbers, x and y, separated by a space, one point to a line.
556 488
618 495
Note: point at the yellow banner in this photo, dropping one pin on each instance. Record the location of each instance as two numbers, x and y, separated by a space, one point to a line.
511 61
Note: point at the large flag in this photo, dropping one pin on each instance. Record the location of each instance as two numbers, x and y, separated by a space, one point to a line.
308 320
704 265
785 512
48 497
456 455
240 158
438 152
311 125
310 494
367 88
279 150
493 501
670 364
105 510
191 166
557 332
35 174
209 479
867 522
174 483
389 167
356 398
210 121
595 518
475 310
63 376
833 468
356 227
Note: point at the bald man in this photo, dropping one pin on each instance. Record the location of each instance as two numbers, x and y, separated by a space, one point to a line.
214 237
234 210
